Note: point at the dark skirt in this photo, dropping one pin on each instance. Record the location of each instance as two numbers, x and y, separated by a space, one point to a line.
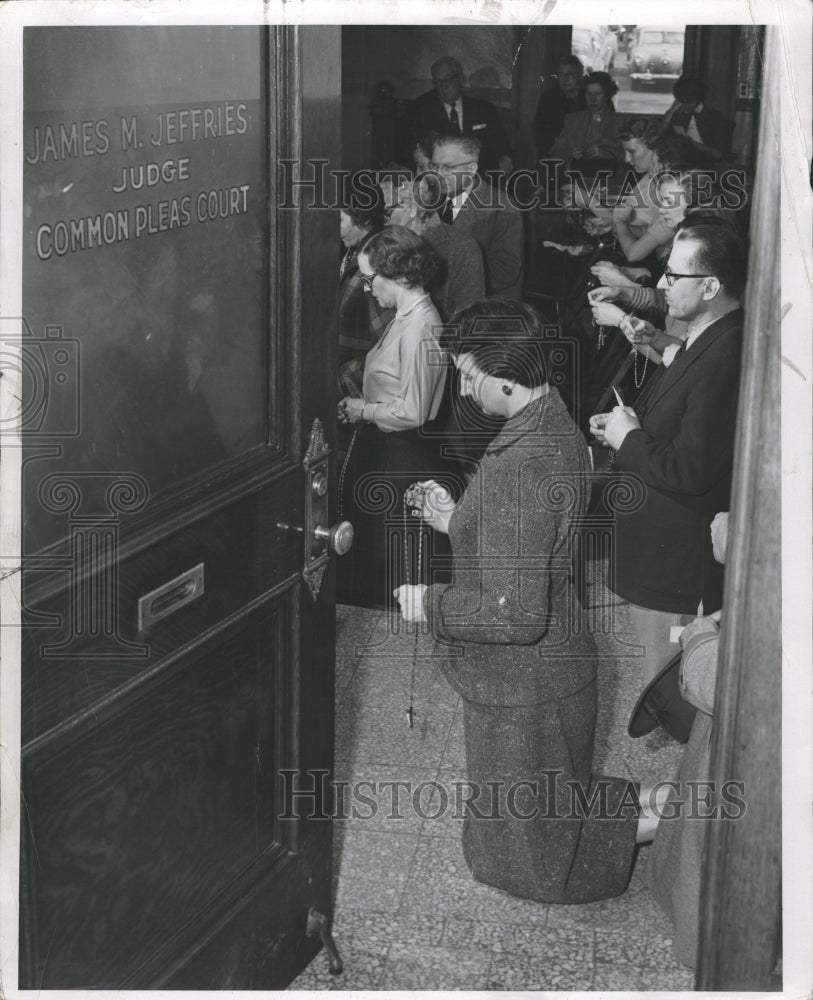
543 827
379 470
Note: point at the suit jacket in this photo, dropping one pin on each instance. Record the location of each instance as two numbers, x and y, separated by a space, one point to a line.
716 131
480 119
682 457
496 224
462 281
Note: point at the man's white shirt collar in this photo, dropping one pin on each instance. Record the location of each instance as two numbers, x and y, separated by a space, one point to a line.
459 201
672 349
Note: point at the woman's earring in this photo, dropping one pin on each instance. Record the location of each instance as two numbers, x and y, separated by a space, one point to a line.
507 390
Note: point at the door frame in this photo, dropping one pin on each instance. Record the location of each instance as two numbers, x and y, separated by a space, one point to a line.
305 95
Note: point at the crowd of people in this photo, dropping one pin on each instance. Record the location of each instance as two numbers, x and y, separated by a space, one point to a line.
466 473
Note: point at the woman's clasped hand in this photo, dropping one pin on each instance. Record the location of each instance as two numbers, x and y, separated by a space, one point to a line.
640 332
604 313
610 274
350 410
410 600
434 504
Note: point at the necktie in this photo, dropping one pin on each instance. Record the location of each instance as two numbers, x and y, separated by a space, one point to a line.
454 122
445 213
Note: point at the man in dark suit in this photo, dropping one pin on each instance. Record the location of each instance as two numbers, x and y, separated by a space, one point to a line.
447 111
555 102
483 210
679 444
709 131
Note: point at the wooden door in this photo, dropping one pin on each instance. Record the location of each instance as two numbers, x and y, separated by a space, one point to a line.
177 609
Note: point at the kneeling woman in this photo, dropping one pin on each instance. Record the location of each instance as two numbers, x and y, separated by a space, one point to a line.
517 650
404 375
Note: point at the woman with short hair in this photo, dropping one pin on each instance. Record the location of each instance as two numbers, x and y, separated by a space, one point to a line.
679 192
647 153
402 387
518 652
591 134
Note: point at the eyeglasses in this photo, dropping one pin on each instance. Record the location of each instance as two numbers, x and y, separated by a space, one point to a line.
368 279
448 168
671 277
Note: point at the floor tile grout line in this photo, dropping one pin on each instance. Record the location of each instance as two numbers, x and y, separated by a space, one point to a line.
384 964
447 741
365 640
424 836
593 962
340 695
402 897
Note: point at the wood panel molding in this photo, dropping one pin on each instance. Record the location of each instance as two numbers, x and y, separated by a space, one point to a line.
741 883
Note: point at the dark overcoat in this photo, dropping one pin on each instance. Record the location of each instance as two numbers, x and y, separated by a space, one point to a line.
678 470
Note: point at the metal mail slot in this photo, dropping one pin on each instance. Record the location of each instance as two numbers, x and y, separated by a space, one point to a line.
167 599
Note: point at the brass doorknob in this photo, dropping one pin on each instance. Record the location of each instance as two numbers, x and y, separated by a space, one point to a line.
339 538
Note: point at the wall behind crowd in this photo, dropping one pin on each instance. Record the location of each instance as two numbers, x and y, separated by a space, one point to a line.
403 55
505 65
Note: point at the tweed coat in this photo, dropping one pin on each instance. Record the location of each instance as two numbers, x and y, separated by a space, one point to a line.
463 279
678 467
510 607
488 215
509 631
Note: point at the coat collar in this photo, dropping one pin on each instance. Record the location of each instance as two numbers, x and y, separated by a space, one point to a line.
533 419
683 362
481 195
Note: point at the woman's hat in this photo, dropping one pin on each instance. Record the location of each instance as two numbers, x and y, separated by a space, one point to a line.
661 704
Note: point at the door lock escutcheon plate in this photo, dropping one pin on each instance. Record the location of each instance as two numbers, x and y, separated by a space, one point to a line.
320 541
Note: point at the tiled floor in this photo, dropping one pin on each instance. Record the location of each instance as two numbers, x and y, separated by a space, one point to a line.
408 914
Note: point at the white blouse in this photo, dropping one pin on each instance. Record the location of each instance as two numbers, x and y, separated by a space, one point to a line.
404 373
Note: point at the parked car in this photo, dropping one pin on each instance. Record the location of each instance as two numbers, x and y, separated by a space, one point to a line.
655 57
